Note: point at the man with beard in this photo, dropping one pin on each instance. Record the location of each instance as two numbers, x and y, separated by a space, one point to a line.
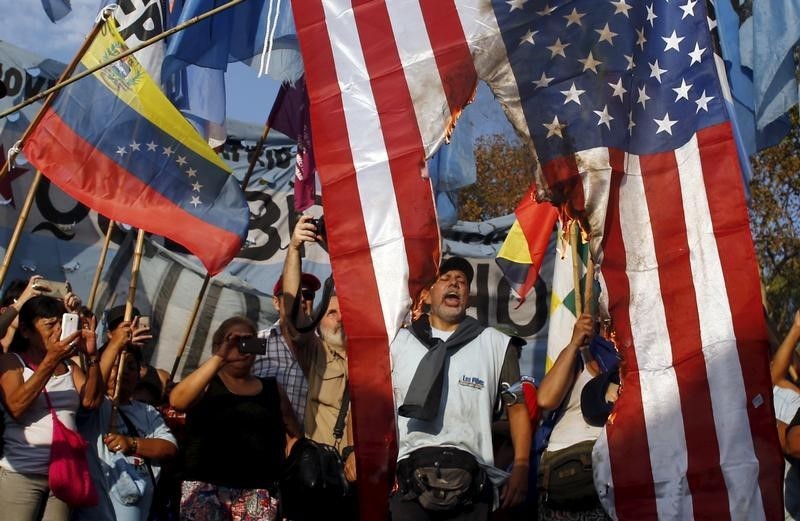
324 357
448 374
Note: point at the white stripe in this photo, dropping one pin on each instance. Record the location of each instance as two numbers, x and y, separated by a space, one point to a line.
601 471
371 163
659 384
728 396
422 74
594 167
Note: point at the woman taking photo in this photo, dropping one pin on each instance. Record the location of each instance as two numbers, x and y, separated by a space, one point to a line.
39 360
239 429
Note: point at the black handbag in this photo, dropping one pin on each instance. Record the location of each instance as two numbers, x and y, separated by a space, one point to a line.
314 472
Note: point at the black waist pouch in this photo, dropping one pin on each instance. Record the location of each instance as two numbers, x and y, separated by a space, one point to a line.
440 478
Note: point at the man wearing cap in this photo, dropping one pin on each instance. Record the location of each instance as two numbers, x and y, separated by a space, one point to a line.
446 371
281 359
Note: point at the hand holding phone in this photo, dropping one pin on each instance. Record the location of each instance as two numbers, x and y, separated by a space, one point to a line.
70 323
52 288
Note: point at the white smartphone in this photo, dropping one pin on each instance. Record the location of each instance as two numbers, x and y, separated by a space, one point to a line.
69 324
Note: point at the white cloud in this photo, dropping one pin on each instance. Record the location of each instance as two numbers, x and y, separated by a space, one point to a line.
29 28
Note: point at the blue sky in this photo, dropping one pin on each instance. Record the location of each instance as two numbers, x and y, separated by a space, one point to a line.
25 24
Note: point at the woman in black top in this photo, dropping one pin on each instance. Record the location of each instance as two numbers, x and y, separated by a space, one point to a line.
239 429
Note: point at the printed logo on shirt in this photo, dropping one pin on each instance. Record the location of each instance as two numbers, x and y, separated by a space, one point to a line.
472 381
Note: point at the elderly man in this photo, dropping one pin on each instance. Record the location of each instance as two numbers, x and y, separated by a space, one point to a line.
447 372
281 359
324 357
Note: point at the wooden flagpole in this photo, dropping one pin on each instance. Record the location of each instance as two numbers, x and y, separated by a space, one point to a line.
132 285
101 263
256 153
26 208
189 326
574 237
155 39
185 340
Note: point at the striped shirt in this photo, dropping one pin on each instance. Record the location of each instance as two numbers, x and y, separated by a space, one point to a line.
279 362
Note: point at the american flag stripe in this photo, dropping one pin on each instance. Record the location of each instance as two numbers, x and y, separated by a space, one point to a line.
634 496
692 307
662 190
382 230
728 213
451 51
725 382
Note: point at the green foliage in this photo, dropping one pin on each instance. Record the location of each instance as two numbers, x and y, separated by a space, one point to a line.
775 221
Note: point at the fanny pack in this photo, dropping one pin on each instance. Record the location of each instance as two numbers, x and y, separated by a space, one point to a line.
440 478
565 477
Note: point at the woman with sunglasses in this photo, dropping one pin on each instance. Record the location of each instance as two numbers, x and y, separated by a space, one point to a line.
38 370
239 429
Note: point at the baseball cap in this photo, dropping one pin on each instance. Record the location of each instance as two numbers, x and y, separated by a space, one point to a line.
459 264
307 281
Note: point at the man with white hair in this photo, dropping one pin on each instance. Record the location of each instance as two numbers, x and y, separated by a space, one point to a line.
324 357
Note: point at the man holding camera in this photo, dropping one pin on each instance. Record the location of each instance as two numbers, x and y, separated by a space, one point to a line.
324 357
281 359
447 372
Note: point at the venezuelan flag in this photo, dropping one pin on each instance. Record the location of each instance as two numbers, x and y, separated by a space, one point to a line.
524 249
115 143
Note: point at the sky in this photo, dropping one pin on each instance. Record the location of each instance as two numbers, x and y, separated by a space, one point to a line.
24 23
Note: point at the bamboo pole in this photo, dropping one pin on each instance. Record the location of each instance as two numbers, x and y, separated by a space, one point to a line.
256 154
101 263
23 216
50 93
575 236
155 39
193 317
137 261
26 209
189 326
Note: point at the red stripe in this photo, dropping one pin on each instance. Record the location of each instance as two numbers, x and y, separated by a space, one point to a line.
722 177
100 183
704 475
564 181
403 141
368 358
451 52
634 492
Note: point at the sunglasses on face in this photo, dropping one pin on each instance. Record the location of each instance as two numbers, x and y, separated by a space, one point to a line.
305 295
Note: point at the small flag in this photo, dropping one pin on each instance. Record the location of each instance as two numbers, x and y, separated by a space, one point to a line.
56 9
524 249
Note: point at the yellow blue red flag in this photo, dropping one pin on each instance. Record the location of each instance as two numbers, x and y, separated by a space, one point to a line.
115 143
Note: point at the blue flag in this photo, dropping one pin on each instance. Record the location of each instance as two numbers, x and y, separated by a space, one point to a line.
768 41
56 9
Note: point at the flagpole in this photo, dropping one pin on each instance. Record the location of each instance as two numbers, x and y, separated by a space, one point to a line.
189 326
137 261
155 39
575 236
50 93
256 154
101 263
196 309
23 217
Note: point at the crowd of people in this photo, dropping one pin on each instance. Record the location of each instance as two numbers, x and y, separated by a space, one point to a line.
217 444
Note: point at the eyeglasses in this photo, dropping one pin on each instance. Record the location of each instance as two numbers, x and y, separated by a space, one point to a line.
236 339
